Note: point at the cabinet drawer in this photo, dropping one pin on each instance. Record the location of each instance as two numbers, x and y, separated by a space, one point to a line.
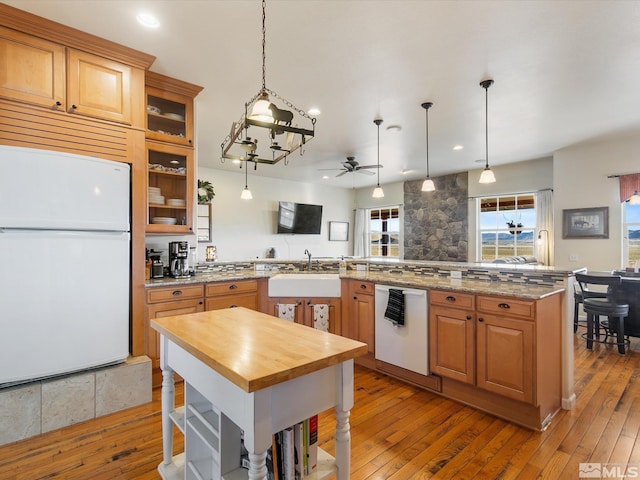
361 288
506 306
225 288
248 300
451 299
181 292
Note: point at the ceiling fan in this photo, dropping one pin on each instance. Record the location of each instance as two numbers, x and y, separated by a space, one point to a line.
351 166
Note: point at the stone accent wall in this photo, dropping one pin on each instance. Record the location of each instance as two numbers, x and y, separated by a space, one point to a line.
436 226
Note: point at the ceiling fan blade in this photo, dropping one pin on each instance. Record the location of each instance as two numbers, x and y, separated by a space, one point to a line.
368 166
341 174
365 172
330 169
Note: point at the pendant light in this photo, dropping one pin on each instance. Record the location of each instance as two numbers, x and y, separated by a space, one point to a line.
487 175
427 185
246 193
268 120
378 192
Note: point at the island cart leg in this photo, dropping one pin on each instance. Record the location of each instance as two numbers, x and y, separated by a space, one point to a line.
343 429
258 466
168 405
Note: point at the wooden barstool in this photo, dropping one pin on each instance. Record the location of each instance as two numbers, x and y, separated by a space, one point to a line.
609 306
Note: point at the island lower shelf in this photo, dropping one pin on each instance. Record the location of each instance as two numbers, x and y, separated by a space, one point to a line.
175 470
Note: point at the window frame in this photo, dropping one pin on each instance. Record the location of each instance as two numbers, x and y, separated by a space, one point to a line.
387 246
625 258
531 247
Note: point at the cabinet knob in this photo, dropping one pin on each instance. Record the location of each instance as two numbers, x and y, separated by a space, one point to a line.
504 305
200 302
176 293
363 286
58 104
73 107
481 319
355 298
450 298
468 317
233 286
233 306
309 303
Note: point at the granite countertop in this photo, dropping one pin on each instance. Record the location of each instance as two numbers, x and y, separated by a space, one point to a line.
521 290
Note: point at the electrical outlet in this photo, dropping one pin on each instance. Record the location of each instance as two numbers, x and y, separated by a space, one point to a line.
573 257
456 274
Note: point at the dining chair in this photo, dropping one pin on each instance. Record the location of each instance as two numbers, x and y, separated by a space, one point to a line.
610 306
578 297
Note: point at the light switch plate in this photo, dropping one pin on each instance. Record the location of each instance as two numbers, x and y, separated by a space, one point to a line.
456 274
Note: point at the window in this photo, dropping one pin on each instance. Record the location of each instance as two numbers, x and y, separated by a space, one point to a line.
631 234
506 226
384 232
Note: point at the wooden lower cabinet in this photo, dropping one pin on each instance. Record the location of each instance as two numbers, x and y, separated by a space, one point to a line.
452 332
168 302
241 293
358 314
500 354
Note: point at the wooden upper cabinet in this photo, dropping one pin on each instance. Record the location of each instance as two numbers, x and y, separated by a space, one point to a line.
170 109
32 70
98 87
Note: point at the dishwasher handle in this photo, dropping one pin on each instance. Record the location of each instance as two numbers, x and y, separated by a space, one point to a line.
385 289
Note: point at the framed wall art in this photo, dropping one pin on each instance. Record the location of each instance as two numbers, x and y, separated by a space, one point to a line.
585 223
339 231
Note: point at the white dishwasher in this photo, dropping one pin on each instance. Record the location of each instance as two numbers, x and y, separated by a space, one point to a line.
405 345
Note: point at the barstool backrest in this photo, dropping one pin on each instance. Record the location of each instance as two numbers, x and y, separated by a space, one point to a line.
612 282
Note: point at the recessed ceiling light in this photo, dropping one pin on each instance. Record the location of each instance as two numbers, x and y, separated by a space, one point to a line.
324 177
314 111
394 128
405 171
148 20
458 147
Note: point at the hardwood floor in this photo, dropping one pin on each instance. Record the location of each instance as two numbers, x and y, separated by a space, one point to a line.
398 432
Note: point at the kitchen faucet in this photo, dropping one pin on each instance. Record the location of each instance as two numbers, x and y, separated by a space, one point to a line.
307 252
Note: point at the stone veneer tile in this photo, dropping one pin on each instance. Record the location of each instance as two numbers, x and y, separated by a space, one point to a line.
124 386
67 401
20 413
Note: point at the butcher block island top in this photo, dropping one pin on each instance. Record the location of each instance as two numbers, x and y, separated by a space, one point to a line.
254 350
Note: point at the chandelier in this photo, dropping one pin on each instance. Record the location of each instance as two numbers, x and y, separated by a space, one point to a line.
279 137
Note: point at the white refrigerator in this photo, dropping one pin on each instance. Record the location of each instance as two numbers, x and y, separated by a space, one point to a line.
64 275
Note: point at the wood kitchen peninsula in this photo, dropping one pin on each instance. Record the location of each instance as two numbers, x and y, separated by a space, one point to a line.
249 372
521 313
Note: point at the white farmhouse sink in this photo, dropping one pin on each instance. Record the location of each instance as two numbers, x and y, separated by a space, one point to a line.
304 285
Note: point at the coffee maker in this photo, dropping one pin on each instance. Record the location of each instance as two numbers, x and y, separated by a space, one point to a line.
179 259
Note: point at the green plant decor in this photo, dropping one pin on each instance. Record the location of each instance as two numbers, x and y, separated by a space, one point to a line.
205 191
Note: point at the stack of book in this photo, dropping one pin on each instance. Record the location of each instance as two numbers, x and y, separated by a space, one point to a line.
294 451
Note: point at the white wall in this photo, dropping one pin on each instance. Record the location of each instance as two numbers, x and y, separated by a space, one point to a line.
580 181
521 177
245 229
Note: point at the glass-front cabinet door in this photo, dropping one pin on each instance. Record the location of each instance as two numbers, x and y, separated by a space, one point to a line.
170 190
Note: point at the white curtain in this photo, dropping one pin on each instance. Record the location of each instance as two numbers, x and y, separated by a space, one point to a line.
544 223
361 234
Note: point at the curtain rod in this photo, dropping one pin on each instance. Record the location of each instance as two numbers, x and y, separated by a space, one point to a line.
510 193
618 175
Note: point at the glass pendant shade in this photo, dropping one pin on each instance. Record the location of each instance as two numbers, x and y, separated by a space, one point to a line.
246 194
428 186
261 111
487 176
634 199
378 192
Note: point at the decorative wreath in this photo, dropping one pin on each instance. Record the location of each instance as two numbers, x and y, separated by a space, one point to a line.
205 191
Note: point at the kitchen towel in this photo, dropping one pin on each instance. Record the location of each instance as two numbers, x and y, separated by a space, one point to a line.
395 307
321 317
287 311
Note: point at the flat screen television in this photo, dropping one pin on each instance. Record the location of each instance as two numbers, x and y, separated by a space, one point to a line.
299 218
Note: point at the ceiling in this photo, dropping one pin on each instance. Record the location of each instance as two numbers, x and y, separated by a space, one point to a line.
564 71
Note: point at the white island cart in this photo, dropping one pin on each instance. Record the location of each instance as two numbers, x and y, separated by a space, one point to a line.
249 373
